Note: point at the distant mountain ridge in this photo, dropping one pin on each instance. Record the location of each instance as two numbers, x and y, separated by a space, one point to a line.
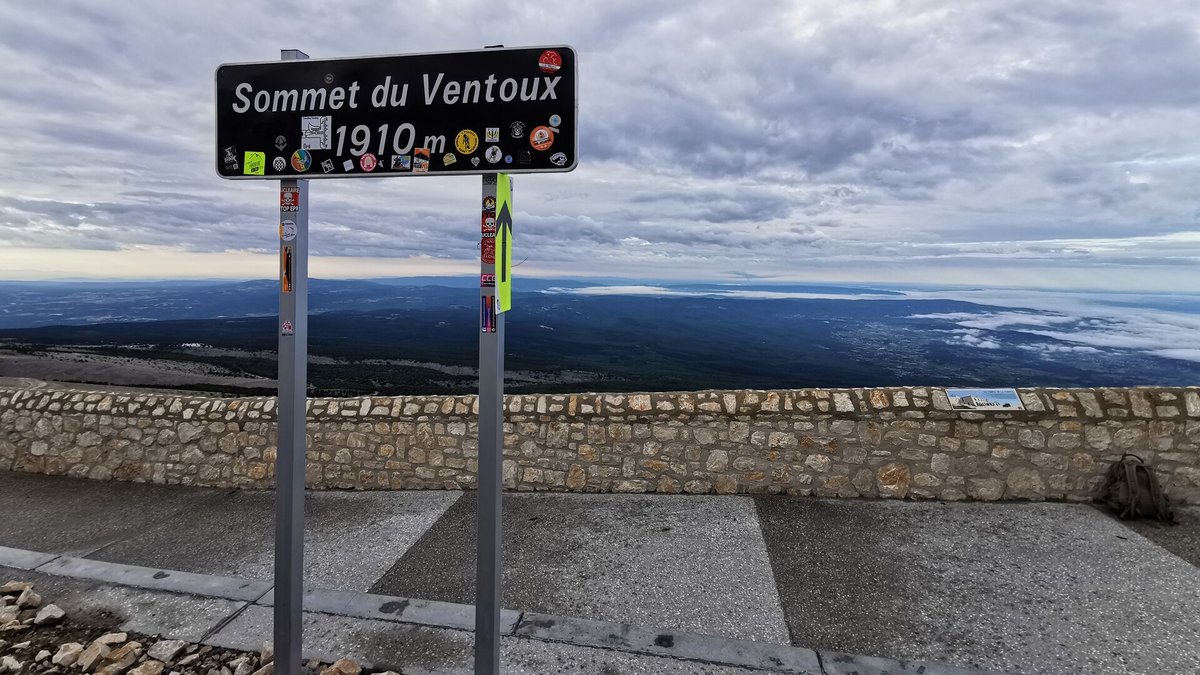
398 336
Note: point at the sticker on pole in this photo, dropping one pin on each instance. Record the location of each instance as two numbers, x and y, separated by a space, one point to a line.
487 320
351 113
287 264
289 199
504 210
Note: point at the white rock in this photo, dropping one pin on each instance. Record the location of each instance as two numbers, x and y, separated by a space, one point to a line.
110 639
267 653
22 645
67 654
268 669
92 655
42 655
242 665
150 667
49 614
15 587
28 599
8 614
166 650
11 665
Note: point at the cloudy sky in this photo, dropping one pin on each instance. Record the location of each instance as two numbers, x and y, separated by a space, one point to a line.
1007 143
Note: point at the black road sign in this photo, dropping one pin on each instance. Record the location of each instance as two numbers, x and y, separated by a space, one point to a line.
472 112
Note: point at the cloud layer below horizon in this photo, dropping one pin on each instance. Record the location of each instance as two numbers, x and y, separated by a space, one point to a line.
1043 143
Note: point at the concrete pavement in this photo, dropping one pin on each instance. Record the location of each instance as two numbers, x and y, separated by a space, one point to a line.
1045 588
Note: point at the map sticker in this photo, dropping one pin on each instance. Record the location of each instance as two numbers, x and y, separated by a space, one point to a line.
316 132
256 164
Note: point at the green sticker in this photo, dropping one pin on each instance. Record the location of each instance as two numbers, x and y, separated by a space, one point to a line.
256 164
504 218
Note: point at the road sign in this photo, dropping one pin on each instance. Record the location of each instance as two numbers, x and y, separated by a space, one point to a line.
468 112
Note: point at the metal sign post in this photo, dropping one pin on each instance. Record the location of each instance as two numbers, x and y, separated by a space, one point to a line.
489 547
291 442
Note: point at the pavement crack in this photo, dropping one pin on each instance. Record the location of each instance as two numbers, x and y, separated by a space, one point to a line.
39 567
177 513
820 662
220 625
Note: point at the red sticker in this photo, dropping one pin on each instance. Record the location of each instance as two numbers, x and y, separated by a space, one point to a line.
487 248
368 162
541 138
289 199
550 61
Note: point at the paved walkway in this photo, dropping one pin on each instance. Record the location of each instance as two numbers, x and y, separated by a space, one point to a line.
1036 588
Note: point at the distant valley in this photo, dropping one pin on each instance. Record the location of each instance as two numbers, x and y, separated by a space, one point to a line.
409 336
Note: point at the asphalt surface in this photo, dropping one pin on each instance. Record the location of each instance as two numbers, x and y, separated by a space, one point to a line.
1026 588
983 585
1182 538
696 564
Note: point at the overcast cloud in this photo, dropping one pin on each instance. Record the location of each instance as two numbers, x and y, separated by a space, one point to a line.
1040 143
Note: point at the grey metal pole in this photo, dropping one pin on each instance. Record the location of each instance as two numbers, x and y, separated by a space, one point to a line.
292 440
489 548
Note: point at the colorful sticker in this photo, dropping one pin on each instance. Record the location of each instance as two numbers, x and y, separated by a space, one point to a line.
401 162
488 227
287 264
489 203
493 154
327 165
448 159
491 135
348 165
368 162
517 130
487 280
421 160
280 143
287 230
301 160
558 159
231 162
487 248
555 120
541 138
279 163
508 159
466 141
288 329
487 321
316 132
256 164
474 161
550 61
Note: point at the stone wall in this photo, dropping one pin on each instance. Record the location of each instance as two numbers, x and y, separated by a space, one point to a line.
898 443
